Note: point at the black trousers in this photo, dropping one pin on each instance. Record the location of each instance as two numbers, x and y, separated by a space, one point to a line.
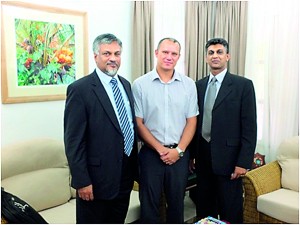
216 194
112 211
155 177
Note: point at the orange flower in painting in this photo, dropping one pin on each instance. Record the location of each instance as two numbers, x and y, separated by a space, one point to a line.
64 56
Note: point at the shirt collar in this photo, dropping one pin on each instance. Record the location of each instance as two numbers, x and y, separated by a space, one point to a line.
176 76
219 77
104 77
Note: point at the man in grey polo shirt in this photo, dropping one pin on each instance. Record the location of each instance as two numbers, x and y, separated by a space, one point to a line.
166 110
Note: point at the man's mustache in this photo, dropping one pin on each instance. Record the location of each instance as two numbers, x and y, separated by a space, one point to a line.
112 64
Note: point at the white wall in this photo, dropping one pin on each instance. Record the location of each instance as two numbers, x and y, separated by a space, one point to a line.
45 119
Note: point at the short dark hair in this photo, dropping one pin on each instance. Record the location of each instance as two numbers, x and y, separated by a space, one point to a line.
215 41
169 39
105 39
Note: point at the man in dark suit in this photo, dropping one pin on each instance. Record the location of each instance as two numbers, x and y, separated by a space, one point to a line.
225 140
102 172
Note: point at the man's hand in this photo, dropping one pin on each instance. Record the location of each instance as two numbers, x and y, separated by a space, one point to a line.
238 172
170 156
86 193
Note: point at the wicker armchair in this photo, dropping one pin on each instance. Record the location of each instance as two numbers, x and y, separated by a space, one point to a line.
274 187
256 182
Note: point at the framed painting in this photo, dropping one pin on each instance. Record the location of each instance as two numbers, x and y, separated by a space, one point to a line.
43 49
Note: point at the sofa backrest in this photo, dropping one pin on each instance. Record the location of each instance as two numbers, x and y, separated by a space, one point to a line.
37 172
288 159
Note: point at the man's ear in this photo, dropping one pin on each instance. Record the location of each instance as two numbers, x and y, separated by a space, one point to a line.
228 57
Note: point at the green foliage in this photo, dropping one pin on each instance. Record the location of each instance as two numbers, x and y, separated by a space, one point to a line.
45 53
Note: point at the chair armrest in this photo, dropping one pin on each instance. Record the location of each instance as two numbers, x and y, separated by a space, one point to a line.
261 180
266 178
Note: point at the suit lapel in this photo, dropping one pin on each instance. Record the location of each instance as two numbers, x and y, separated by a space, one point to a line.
102 96
225 89
201 91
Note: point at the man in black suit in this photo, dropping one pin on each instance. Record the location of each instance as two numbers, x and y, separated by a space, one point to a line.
225 140
102 173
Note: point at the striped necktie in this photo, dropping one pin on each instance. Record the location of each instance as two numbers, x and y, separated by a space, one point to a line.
208 106
123 117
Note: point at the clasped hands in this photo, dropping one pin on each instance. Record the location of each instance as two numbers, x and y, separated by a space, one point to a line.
169 155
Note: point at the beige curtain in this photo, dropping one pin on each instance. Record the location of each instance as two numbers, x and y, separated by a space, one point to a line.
142 38
231 24
209 19
197 15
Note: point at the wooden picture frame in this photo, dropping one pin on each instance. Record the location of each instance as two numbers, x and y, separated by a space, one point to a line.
43 50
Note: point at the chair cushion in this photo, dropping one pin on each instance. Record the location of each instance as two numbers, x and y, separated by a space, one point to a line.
37 172
133 213
290 174
32 155
63 214
288 159
41 189
282 204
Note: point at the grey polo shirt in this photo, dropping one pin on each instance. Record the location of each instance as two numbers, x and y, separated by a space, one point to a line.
165 107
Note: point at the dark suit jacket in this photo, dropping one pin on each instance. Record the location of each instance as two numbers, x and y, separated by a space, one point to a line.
234 128
93 138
